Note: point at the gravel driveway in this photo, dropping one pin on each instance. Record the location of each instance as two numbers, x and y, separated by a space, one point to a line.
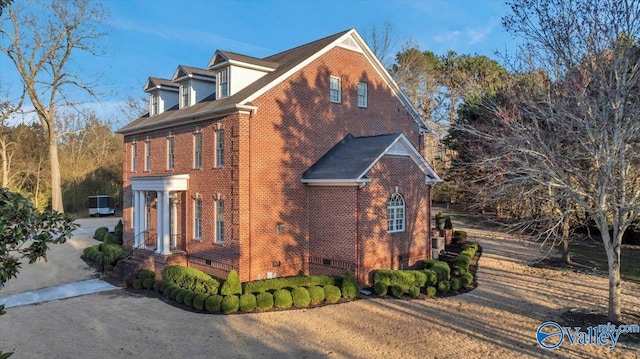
496 320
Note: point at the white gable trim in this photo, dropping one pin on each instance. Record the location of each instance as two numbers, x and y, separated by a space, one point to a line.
353 36
160 183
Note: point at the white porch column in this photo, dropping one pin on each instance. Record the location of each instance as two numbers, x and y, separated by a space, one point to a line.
138 212
166 246
174 221
159 226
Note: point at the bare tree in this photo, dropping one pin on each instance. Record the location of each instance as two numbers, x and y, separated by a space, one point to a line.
382 40
41 40
573 137
7 109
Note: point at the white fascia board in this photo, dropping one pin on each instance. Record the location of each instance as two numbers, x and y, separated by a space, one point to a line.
175 121
251 66
160 183
336 182
213 57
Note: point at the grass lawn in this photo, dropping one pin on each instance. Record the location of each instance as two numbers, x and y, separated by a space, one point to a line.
593 251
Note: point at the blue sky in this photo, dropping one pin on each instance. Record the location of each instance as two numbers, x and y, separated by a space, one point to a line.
152 37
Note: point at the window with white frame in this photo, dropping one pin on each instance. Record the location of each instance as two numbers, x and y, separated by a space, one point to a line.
220 221
147 155
362 94
223 81
184 91
197 218
197 150
170 152
154 104
220 148
134 156
335 91
395 214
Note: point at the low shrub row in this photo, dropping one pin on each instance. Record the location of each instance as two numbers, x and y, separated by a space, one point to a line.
283 298
191 279
103 235
462 261
100 232
106 254
266 285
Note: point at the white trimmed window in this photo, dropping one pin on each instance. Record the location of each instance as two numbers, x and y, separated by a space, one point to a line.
184 96
170 152
197 150
220 221
220 148
362 94
197 218
335 91
134 156
147 155
395 214
223 81
154 104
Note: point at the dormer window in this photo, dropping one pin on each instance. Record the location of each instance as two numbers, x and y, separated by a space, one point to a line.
223 80
184 95
154 104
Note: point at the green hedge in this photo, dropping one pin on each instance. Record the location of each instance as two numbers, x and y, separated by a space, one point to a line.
455 283
440 267
282 299
380 288
349 286
99 233
188 298
332 293
148 283
175 291
248 302
181 294
431 277
230 304
137 283
265 285
431 291
444 286
414 292
213 304
198 301
403 278
316 294
301 297
167 289
146 273
112 253
157 285
397 291
117 230
192 279
232 285
264 300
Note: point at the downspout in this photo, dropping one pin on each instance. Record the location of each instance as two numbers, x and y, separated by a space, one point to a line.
250 198
357 270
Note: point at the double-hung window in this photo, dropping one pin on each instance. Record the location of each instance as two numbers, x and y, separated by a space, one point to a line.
170 152
197 150
134 156
220 148
197 218
335 91
154 104
395 214
223 80
147 155
362 94
184 90
220 221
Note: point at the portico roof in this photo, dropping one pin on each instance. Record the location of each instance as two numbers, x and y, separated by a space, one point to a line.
178 182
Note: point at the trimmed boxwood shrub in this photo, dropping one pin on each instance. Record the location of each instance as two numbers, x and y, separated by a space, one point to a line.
146 273
168 289
440 267
349 286
282 299
192 279
113 253
174 292
137 283
117 230
232 285
248 302
188 298
431 277
466 279
198 301
300 296
148 283
332 293
264 300
109 238
230 304
397 291
156 286
455 283
181 294
431 291
380 288
414 292
213 303
316 294
443 286
100 231
259 286
459 236
403 278
163 285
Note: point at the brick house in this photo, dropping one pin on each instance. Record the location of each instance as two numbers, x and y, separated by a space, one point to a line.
307 161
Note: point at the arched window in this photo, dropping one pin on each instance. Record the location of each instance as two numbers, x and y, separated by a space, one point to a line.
395 214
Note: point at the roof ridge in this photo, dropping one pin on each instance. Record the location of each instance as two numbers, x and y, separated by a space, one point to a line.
309 43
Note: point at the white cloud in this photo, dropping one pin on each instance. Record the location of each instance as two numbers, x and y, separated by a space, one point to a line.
477 35
448 37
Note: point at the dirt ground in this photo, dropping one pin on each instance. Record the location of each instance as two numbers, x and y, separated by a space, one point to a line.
498 319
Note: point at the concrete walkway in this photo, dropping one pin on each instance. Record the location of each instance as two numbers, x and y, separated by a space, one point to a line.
58 292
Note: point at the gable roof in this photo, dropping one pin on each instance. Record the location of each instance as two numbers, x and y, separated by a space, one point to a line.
223 57
348 162
154 83
190 71
289 62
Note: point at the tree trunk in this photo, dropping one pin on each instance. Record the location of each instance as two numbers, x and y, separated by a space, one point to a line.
613 257
566 256
5 164
56 185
